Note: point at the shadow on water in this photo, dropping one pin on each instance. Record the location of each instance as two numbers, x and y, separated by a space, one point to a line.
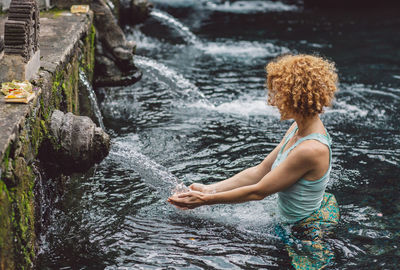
199 114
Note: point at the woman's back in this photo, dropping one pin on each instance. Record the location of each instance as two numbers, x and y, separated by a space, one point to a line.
304 197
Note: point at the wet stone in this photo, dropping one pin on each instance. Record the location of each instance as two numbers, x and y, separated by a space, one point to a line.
76 145
134 11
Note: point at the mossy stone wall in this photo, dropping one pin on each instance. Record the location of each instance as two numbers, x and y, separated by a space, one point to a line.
18 171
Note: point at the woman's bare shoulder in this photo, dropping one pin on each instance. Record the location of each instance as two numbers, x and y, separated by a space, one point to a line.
311 150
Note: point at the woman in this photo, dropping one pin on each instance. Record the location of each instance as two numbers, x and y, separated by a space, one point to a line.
300 86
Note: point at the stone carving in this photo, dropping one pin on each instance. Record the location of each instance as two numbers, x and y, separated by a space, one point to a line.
114 54
21 41
21 31
76 143
134 11
109 73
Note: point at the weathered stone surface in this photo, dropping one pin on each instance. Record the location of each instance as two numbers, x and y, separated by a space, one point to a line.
13 67
112 37
56 51
24 126
68 3
4 4
76 144
107 73
114 54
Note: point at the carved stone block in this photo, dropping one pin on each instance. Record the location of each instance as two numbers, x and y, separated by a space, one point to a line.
13 67
21 58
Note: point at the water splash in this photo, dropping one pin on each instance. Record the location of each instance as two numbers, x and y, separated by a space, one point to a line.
154 174
170 21
244 49
175 80
245 106
92 97
247 7
180 3
344 108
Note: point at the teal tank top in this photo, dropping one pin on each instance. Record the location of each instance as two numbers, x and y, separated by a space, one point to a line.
304 197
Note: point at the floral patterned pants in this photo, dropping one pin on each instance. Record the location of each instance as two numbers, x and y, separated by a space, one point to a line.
305 242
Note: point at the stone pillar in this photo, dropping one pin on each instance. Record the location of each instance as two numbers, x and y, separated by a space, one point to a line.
21 59
4 4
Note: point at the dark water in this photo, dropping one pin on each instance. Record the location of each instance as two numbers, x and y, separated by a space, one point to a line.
199 115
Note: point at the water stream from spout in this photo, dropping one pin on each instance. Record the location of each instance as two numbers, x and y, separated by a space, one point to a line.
170 21
183 87
92 97
155 175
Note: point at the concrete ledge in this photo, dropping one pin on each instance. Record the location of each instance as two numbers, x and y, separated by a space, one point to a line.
59 35
67 46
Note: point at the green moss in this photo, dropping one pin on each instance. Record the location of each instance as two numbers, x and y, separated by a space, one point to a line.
55 89
92 49
5 162
17 217
5 228
87 62
43 127
23 218
54 13
17 234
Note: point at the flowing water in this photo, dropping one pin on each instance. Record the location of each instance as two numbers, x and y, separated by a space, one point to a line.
84 82
199 114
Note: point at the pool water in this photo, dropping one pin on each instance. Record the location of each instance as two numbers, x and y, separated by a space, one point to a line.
199 114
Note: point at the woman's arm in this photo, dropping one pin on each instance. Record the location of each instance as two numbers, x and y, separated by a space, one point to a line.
246 177
299 162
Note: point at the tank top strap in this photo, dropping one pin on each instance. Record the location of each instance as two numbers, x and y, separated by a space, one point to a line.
288 137
291 134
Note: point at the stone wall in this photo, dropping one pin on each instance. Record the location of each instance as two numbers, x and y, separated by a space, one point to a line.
24 127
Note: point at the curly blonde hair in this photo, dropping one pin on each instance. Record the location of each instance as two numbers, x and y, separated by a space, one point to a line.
301 84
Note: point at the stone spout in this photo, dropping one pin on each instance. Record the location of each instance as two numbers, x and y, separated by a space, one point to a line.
134 11
114 53
75 143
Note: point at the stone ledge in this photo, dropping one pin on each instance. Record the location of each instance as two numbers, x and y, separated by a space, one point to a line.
67 47
59 36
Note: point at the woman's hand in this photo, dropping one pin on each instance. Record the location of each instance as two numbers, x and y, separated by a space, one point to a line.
188 200
199 187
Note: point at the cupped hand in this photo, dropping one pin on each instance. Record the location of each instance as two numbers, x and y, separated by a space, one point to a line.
198 187
187 200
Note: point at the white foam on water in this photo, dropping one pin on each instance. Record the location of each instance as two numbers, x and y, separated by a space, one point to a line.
245 106
245 216
364 91
142 41
341 107
250 6
180 3
243 49
354 101
228 7
251 217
